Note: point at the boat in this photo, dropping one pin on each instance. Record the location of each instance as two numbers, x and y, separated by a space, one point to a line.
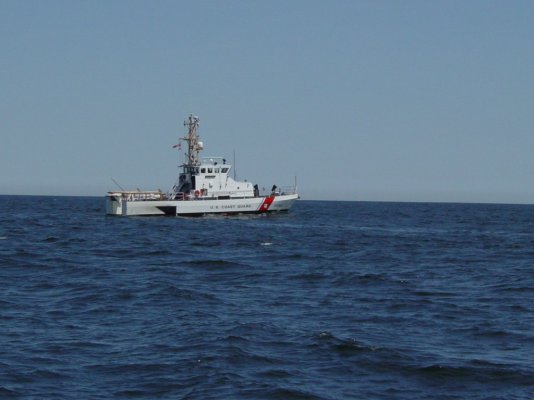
204 186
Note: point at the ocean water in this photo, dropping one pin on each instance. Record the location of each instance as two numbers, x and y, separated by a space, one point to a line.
334 300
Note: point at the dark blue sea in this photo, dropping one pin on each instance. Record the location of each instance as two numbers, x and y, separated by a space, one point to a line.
334 300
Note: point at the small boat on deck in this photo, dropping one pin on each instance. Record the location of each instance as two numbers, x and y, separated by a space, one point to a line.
204 186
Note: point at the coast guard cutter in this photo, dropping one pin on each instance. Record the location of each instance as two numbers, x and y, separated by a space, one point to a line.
204 186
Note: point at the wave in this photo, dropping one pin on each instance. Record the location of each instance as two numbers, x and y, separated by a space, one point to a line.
169 291
310 277
50 239
6 393
345 346
285 393
478 371
361 278
215 263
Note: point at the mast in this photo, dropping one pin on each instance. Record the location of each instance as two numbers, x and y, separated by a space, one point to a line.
194 145
234 166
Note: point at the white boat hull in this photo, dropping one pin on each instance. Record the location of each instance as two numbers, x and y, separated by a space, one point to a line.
122 205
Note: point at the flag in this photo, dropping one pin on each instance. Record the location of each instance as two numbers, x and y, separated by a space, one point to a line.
177 146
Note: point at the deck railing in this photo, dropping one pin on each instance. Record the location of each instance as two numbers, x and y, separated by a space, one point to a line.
158 195
288 190
139 195
278 191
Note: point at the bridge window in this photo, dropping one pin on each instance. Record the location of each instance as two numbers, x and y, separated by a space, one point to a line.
224 170
203 170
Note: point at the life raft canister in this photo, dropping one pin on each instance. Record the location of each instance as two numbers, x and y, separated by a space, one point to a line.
197 193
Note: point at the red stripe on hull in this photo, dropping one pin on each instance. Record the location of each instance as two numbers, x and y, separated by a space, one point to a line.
266 204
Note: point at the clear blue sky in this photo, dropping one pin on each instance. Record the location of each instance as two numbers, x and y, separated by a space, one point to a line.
362 100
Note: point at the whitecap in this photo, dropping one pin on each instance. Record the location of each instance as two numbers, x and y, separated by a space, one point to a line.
266 243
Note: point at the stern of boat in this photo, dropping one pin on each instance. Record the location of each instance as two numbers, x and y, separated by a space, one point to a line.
139 203
114 204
